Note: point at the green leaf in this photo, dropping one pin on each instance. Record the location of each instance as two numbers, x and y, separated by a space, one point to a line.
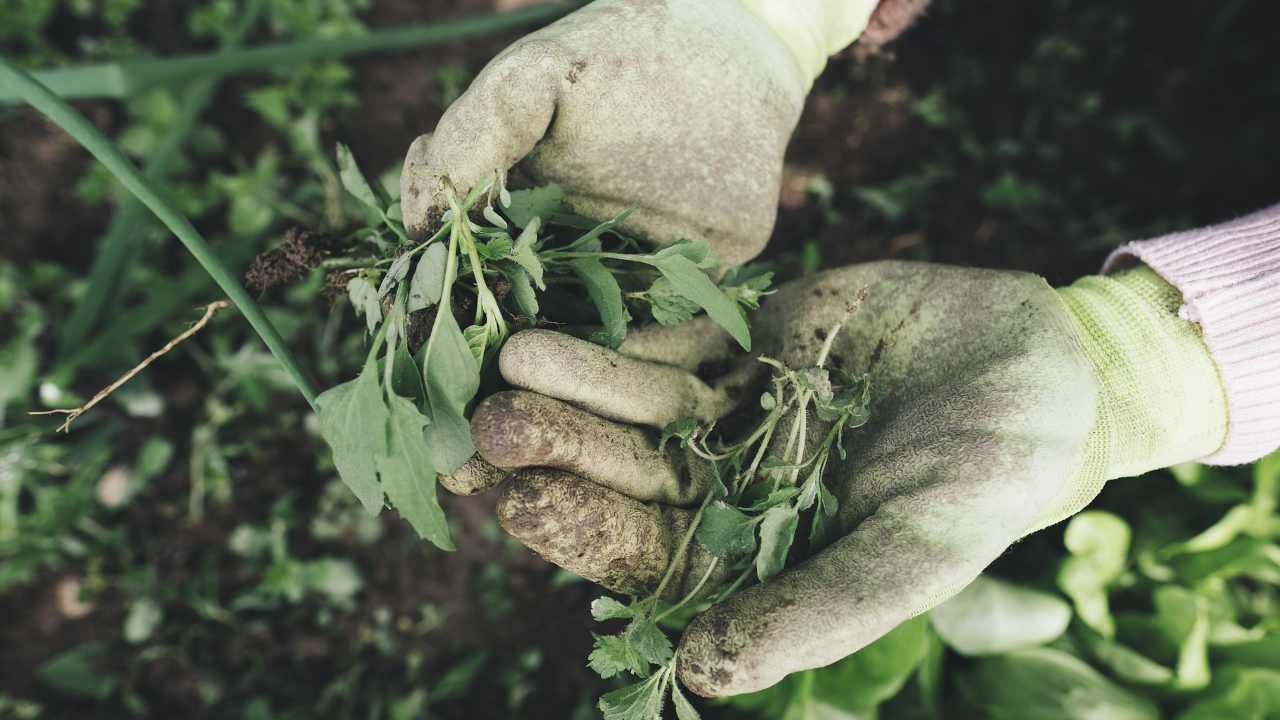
726 532
682 429
1240 694
606 608
851 688
354 181
1099 546
642 701
353 420
684 708
777 531
1184 618
452 379
523 294
409 475
541 202
141 622
649 641
526 257
398 271
1045 684
991 616
428 278
406 378
605 294
693 283
76 672
668 306
364 297
614 655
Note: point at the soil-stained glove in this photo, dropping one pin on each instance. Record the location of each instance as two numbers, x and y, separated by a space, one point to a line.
999 406
682 106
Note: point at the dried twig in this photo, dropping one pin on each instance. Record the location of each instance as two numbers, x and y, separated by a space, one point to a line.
209 311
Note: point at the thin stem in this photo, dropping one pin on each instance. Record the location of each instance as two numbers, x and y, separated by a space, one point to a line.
684 545
75 124
692 593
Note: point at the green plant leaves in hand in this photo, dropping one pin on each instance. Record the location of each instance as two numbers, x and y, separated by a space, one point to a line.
452 378
347 413
726 531
606 295
408 473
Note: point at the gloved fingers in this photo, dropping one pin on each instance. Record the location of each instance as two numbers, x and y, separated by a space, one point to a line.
520 429
604 536
608 383
491 127
687 345
914 552
475 476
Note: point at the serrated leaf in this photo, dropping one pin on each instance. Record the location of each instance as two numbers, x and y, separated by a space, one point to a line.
542 202
477 337
526 257
613 655
428 277
668 306
777 532
684 708
409 475
693 283
649 641
354 181
726 531
682 429
606 608
642 701
353 420
605 294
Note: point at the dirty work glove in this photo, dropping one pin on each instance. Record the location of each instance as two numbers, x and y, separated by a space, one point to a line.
683 107
999 407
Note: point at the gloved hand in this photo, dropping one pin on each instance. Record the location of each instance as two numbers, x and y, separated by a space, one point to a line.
682 106
999 406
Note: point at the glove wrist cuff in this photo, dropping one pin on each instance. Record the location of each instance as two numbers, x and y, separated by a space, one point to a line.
1161 397
814 29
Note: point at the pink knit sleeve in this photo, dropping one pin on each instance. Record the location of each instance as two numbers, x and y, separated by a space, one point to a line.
1229 275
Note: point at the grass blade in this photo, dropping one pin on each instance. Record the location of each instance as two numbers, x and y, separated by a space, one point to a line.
73 123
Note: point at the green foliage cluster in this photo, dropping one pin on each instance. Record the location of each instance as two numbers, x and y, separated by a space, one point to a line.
404 419
748 521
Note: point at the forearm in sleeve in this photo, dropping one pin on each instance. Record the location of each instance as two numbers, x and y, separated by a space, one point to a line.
1229 277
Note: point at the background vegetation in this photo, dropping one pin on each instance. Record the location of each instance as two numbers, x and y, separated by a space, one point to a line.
187 547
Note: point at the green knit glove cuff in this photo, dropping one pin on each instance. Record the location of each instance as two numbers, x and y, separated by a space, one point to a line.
1161 400
814 29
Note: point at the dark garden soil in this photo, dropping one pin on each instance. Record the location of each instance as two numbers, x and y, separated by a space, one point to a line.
1142 117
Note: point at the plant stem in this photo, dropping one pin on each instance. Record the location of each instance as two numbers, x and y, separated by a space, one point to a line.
118 80
75 124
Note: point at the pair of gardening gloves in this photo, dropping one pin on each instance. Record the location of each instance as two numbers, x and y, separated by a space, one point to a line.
999 405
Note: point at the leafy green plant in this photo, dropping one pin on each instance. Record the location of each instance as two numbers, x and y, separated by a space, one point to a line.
748 521
425 392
